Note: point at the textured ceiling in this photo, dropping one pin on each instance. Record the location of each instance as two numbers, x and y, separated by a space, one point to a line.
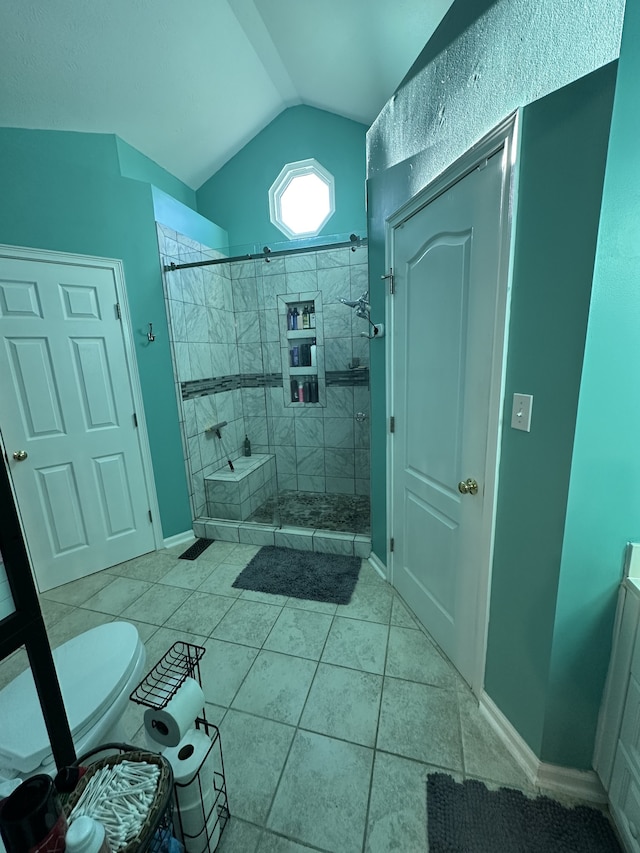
189 84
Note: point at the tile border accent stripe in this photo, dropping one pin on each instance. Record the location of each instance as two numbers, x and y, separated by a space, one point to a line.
219 384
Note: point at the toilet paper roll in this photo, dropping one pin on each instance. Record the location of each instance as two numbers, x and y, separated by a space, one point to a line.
194 763
188 757
170 724
194 836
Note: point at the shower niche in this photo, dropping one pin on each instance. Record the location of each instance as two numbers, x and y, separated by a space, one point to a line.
302 349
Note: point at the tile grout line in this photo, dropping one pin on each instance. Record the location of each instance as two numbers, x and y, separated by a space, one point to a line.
375 742
297 728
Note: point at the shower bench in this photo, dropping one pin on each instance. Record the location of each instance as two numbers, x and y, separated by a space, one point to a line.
235 495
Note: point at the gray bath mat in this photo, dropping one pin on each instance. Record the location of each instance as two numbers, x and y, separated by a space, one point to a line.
469 818
301 574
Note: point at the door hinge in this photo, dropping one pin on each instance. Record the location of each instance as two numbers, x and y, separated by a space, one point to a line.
392 424
118 312
392 544
150 517
135 420
389 275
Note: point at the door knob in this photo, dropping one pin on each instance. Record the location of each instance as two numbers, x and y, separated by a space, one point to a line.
468 487
20 455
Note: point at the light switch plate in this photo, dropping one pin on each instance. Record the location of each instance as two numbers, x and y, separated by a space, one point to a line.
521 412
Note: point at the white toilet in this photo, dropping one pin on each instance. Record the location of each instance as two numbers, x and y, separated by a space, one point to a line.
97 671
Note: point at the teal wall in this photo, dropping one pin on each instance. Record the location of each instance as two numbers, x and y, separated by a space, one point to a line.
603 510
134 164
186 221
237 196
64 191
554 160
558 207
550 622
460 17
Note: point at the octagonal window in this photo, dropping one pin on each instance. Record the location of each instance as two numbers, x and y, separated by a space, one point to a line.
301 199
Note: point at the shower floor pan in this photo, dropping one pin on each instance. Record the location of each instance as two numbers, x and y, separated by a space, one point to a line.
348 513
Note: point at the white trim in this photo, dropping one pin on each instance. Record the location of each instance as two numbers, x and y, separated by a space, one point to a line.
521 751
179 539
505 137
376 563
116 267
583 785
289 173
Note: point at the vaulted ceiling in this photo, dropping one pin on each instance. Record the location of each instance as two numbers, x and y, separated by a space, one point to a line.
190 83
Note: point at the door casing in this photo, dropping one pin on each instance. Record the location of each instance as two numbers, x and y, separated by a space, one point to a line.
116 267
504 136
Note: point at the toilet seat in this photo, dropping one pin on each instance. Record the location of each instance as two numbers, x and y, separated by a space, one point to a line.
93 669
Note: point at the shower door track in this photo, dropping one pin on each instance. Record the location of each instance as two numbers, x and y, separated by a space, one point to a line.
266 254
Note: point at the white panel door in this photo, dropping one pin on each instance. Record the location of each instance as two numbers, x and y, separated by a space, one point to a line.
67 404
445 261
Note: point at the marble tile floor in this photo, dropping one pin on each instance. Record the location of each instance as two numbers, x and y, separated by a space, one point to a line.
317 510
330 716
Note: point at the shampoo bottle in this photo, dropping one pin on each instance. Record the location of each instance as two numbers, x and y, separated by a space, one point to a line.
247 446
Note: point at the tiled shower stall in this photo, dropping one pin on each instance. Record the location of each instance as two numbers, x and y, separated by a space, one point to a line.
232 362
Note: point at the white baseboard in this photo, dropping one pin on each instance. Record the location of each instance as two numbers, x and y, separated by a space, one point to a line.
378 565
520 750
583 785
178 539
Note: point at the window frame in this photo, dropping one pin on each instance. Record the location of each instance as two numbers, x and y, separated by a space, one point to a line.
289 172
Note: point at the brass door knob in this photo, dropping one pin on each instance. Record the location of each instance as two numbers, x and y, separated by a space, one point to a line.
468 487
20 455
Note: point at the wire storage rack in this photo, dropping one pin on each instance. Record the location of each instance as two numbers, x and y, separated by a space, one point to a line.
155 691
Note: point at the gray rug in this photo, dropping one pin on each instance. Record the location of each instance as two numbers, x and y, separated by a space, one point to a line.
301 574
469 818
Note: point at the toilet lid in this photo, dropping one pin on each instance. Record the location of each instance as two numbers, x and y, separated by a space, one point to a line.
92 668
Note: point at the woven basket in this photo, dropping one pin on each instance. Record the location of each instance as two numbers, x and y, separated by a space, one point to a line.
161 802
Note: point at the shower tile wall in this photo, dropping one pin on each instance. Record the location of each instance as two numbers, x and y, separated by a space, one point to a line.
224 323
318 448
202 333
